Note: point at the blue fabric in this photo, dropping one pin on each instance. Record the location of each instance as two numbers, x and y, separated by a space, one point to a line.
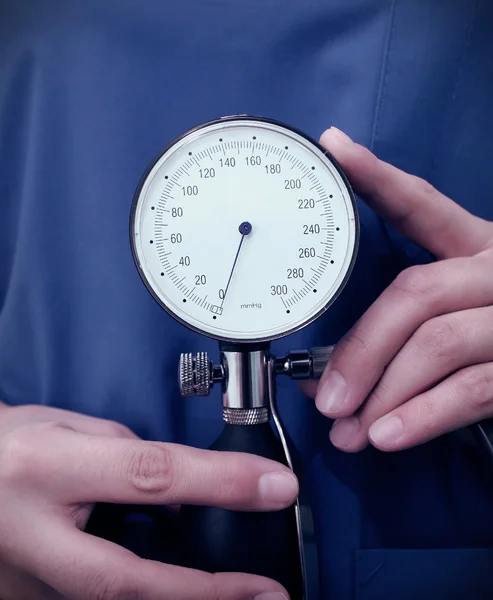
454 574
91 90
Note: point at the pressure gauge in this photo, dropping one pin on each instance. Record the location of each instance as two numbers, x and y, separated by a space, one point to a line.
244 229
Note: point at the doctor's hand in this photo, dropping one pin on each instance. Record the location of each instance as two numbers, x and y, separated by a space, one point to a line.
419 362
55 464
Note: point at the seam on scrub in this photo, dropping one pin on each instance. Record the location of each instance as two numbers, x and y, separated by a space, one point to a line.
458 77
382 91
384 73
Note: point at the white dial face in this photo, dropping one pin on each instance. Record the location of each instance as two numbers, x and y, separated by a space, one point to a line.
244 230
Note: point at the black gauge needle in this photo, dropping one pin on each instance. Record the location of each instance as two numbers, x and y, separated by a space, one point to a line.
245 228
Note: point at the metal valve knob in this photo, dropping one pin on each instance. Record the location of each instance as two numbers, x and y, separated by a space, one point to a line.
320 357
195 378
304 364
197 374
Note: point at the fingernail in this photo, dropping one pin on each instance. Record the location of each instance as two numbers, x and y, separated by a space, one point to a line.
332 394
341 136
271 596
386 430
278 488
344 431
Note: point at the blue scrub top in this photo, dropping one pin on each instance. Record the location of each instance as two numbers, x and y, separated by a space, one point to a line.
91 90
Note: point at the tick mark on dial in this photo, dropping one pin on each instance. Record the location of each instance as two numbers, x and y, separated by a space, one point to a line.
153 207
184 299
151 241
314 291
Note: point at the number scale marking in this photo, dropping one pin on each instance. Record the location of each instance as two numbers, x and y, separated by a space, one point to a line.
294 257
304 171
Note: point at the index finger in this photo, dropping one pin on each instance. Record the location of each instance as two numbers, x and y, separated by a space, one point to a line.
87 468
410 204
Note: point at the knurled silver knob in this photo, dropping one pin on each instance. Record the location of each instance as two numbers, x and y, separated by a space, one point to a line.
195 374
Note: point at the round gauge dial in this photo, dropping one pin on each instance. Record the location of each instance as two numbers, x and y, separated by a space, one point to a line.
244 229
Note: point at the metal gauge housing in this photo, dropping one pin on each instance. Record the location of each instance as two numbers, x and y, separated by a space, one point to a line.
244 229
